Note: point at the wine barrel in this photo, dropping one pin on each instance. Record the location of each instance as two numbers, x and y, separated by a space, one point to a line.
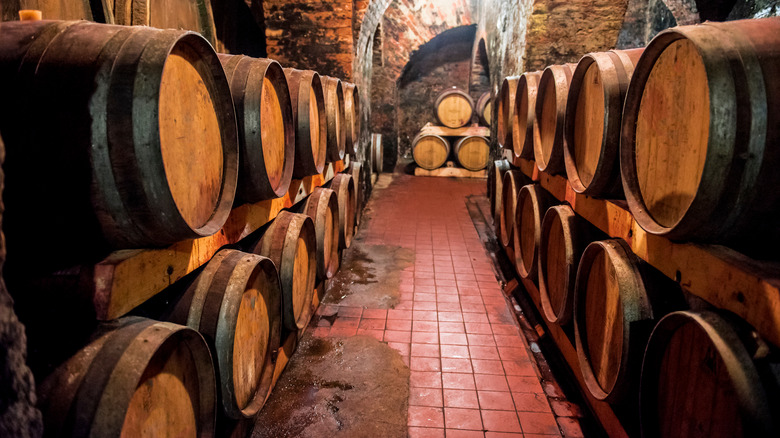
344 186
550 112
473 152
513 181
352 117
138 377
563 239
194 15
505 105
291 243
377 154
335 117
266 129
495 191
485 108
430 151
592 127
700 125
356 170
699 378
323 208
141 148
454 108
613 317
311 128
236 304
525 115
532 203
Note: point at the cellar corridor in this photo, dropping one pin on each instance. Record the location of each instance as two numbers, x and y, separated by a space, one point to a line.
415 335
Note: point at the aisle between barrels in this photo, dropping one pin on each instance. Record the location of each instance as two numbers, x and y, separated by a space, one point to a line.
414 335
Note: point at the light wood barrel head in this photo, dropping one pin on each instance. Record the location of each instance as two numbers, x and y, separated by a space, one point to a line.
322 207
454 108
335 117
473 152
699 379
377 157
672 132
532 202
188 117
505 108
589 124
559 253
430 151
352 116
272 132
344 187
525 114
309 116
550 110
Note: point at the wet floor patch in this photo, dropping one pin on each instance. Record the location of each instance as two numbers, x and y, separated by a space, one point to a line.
339 387
370 276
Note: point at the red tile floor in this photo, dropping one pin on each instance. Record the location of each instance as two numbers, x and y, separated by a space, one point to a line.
471 371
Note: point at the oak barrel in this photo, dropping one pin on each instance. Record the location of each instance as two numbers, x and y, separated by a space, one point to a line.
335 117
430 151
236 304
532 203
505 108
356 170
137 377
140 133
613 316
593 115
705 375
291 243
352 116
495 191
513 180
700 126
323 208
454 108
564 238
344 186
377 154
473 152
550 110
311 128
194 15
485 108
525 115
266 129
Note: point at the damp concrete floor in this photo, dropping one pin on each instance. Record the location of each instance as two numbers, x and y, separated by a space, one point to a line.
415 336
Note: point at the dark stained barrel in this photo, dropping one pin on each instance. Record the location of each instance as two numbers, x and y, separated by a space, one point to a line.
236 304
323 208
593 115
700 125
564 238
532 203
336 118
137 377
454 108
505 108
551 99
527 127
266 129
430 151
141 148
291 243
352 116
472 152
311 128
344 186
194 15
704 375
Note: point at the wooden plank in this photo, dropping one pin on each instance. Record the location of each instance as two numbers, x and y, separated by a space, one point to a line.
603 411
450 171
127 278
719 275
456 132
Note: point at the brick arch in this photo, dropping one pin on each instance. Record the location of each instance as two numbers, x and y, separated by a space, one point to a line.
479 80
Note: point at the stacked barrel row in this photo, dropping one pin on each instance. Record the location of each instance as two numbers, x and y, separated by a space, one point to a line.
686 130
133 137
454 109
